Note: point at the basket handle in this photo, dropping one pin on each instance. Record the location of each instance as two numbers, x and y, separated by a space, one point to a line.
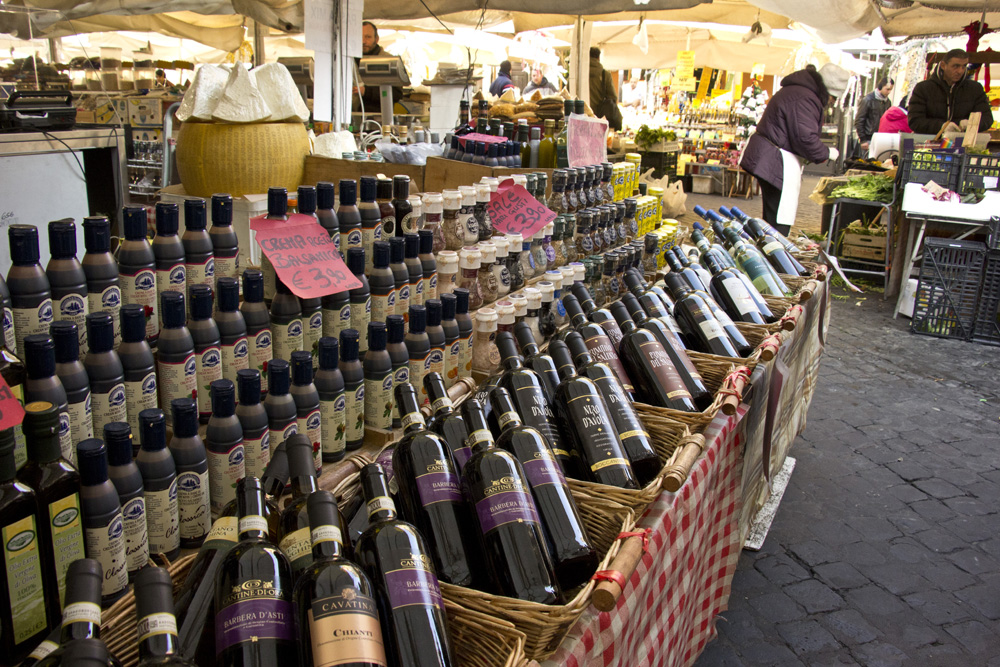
732 389
611 582
791 318
690 447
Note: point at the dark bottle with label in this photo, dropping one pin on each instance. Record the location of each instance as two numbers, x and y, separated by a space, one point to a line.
258 321
697 319
518 561
175 359
199 252
542 364
70 299
584 416
446 421
30 293
337 612
452 342
361 299
400 275
159 645
415 270
127 480
103 283
42 384
651 302
232 328
225 243
73 377
430 494
348 216
382 284
159 483
277 209
377 367
371 218
137 268
688 275
307 408
305 202
387 213
573 556
56 484
293 534
22 589
171 269
329 383
395 327
254 613
731 293
207 347
138 364
253 420
103 527
324 209
405 224
601 316
597 341
418 346
287 333
354 389
194 501
394 556
428 264
686 262
282 414
312 325
107 376
224 445
436 339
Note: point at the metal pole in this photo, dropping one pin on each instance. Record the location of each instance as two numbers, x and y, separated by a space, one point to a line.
259 32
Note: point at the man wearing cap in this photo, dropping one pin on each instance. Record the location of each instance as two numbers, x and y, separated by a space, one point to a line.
948 98
788 135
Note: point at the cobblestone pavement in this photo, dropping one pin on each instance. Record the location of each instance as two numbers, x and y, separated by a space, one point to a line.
886 547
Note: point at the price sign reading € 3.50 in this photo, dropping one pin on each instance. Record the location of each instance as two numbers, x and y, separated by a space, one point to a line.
304 256
514 211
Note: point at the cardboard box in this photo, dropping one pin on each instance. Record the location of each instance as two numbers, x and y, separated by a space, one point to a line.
443 174
86 116
145 111
333 169
147 134
865 240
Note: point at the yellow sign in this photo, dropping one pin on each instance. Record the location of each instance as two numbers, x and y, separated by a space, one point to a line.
685 72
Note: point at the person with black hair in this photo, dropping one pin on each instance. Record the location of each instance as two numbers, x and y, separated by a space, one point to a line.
603 99
948 97
161 79
502 82
873 106
368 96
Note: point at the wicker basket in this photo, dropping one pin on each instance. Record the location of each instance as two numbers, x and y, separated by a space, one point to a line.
715 371
482 640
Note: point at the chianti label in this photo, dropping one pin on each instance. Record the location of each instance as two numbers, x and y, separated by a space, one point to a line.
543 469
344 630
22 564
505 500
439 484
414 584
254 610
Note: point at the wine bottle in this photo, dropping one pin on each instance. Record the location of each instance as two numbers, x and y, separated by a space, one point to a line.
597 315
446 421
780 259
294 533
254 614
688 275
699 322
156 627
706 248
395 558
337 614
650 300
574 557
728 290
542 364
429 493
704 276
767 227
103 528
752 263
597 341
517 558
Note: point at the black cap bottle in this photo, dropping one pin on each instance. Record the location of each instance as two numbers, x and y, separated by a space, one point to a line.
464 321
307 406
207 346
159 481
156 623
103 526
305 202
74 379
381 283
232 328
225 242
282 414
277 209
125 475
361 301
405 224
324 210
175 360
371 218
258 321
287 333
137 268
171 271
253 419
349 216
354 389
199 253
224 445
67 279
193 484
30 293
138 364
400 275
329 383
103 283
379 404
42 384
107 376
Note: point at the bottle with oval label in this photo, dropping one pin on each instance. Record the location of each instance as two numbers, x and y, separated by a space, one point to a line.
30 293
428 264
377 367
371 218
312 325
286 322
73 377
307 406
354 389
349 216
41 384
382 284
258 320
418 347
282 414
329 383
452 342
70 299
277 209
224 446
399 356
159 483
127 479
171 272
7 316
207 346
400 275
253 419
103 525
175 362
103 282
199 251
232 329
225 243
193 495
436 338
138 364
137 268
414 268
464 321
361 301
107 376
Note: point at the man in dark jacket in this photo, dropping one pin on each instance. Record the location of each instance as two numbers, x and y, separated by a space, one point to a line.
502 82
789 132
603 99
948 98
870 111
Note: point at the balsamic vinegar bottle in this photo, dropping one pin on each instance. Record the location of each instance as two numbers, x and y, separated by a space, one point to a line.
138 364
400 274
703 329
232 329
573 556
225 243
361 298
446 421
430 495
175 364
349 216
597 341
332 400
207 346
42 384
277 209
127 480
286 322
395 326
194 504
542 364
293 534
418 345
224 446
381 283
337 613
371 219
354 389
254 614
104 290
377 368
517 558
31 295
253 420
70 300
394 556
730 292
258 321
156 629
452 342
137 268
74 379
103 528
199 252
324 209
307 409
282 414
159 483
107 376
415 270
171 273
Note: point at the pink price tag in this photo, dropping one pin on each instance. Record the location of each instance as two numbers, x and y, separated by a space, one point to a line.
11 410
514 211
587 140
485 138
304 256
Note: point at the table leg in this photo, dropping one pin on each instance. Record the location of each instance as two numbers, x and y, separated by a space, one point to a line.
912 250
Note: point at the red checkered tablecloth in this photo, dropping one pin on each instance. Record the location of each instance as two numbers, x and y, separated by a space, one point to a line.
666 613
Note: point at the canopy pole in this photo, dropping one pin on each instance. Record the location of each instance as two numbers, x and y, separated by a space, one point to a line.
579 63
54 45
259 31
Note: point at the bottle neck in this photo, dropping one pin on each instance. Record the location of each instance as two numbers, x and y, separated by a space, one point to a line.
158 636
303 485
327 542
81 620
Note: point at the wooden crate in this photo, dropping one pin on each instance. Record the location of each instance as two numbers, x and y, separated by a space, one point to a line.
333 169
863 246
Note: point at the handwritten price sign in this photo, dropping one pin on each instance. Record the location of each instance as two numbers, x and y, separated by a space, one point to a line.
514 211
304 256
587 141
11 411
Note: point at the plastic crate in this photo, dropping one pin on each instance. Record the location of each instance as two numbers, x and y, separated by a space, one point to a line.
662 164
981 172
948 291
993 240
987 327
943 167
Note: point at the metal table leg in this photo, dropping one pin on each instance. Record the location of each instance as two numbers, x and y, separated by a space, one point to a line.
912 252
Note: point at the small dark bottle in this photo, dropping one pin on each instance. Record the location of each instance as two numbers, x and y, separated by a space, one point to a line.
371 219
277 209
282 415
518 561
361 298
430 494
382 284
395 327
336 313
194 499
232 329
103 527
436 338
305 202
312 325
199 252
258 321
405 223
287 334
137 269
159 483
159 645
414 268
253 420
329 383
127 480
348 216
651 301
354 389
698 320
254 613
225 243
377 368
207 347
104 290
418 346
175 360
452 342
465 337
30 293
387 213
573 556
542 364
70 299
731 293
138 364
324 210
446 421
395 557
73 377
42 384
597 341
333 594
293 535
171 270
107 376
224 446
428 264
400 275
307 407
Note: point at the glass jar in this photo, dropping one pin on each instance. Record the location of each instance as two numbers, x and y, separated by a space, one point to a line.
584 242
485 356
569 238
610 232
580 187
469 261
607 182
547 249
620 229
482 214
557 200
447 264
514 262
433 205
532 184
505 312
559 313
520 306
631 224
526 261
417 213
467 224
568 278
487 280
538 258
452 226
546 316
500 270
597 232
557 241
651 251
111 67
533 306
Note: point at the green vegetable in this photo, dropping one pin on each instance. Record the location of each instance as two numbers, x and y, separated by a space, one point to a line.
647 136
871 187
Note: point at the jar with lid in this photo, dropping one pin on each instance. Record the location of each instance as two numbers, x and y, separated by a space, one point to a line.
580 187
649 257
488 281
572 203
526 261
417 215
485 357
433 205
469 260
620 228
547 315
482 214
594 184
609 281
597 231
451 224
631 224
447 268
538 257
596 280
499 268
547 249
583 241
514 262
520 306
533 307
111 67
608 222
541 186
599 191
607 183
557 200
505 313
467 224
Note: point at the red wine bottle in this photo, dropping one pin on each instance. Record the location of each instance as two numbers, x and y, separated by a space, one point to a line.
535 360
430 494
652 302
395 557
447 422
703 330
597 341
597 315
294 540
686 274
775 252
730 292
573 556
517 556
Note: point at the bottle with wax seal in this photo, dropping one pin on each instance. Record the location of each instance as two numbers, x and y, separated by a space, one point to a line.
258 321
400 275
293 535
348 216
428 264
199 253
159 483
465 331
194 500
325 213
307 405
354 389
136 270
225 243
446 421
127 480
414 269
103 283
67 278
371 218
332 400
103 527
452 341
377 367
107 376
484 350
208 344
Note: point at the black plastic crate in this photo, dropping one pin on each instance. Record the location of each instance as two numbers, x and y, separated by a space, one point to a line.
944 167
981 172
948 290
993 240
987 327
662 164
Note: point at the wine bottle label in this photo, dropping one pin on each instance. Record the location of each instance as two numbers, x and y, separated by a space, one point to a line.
361 315
414 584
772 247
344 630
235 357
140 396
297 545
613 330
225 468
253 611
201 273
81 612
23 566
536 412
261 352
162 519
207 370
311 427
43 650
602 350
379 504
607 463
638 433
411 419
379 402
136 541
326 534
477 436
661 365
443 402
74 308
452 359
253 522
356 414
506 500
741 297
107 407
383 305
507 418
106 544
140 288
439 484
81 422
193 502
333 424
156 624
67 536
256 453
176 380
712 329
287 338
461 456
29 321
228 267
10 341
224 534
543 469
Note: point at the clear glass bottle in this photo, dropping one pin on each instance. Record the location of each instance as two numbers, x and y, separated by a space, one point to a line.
447 261
505 316
572 203
514 262
597 232
467 223
454 233
469 261
631 224
547 248
558 226
485 357
569 238
538 257
652 242
487 280
557 200
499 267
433 214
533 306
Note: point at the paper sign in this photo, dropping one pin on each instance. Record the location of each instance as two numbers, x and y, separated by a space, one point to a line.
586 141
685 72
485 138
514 211
304 256
11 411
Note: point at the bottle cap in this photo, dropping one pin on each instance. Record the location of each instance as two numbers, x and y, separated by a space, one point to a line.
154 592
253 285
412 242
302 368
461 300
248 384
418 318
483 191
516 241
328 349
185 416
397 250
118 436
368 187
153 429
520 305
486 320
39 356
348 192
383 189
324 195
277 202
502 244
452 199
280 287
426 237
547 290
92 459
548 229
134 223
172 308
306 200
433 307
222 210
23 244
83 584
229 294
676 284
534 298
568 273
581 272
525 339
201 302
96 234
555 277
65 335
470 258
400 186
563 359
299 451
224 397
100 332
133 322
62 239
356 261
195 213
487 253
349 345
447 261
505 312
377 336
278 377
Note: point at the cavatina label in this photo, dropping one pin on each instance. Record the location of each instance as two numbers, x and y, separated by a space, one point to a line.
140 288
543 469
67 536
74 308
333 423
29 321
208 370
344 630
106 544
379 402
107 407
260 354
235 357
23 569
161 520
193 503
439 484
253 610
505 500
177 380
136 542
140 396
287 338
413 584
356 414
257 451
224 470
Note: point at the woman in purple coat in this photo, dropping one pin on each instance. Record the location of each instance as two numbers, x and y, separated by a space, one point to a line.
787 135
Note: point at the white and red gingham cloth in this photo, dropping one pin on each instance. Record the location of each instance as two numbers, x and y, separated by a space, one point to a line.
666 614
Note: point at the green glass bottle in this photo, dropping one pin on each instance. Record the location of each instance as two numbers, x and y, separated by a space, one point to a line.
547 147
754 266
